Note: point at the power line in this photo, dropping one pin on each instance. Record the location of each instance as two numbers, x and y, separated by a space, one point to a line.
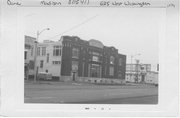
74 27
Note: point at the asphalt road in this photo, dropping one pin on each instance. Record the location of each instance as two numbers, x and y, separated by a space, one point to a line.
152 99
59 92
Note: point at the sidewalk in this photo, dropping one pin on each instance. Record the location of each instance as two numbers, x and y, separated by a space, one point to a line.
73 83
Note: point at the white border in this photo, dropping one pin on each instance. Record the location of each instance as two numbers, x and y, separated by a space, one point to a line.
13 84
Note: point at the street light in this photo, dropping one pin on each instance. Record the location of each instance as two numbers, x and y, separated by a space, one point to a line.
132 56
137 70
35 56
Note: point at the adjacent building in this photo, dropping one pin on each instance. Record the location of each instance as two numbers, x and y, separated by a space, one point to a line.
137 72
29 55
49 58
141 73
151 77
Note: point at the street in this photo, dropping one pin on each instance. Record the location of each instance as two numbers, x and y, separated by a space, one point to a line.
84 93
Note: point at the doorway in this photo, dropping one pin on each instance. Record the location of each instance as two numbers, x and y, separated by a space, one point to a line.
142 78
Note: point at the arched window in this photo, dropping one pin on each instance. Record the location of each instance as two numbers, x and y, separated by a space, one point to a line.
75 53
111 60
111 71
120 61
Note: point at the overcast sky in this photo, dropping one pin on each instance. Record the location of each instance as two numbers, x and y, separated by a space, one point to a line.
131 31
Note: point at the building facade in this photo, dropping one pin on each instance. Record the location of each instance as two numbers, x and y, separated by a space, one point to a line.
137 72
91 58
49 58
151 77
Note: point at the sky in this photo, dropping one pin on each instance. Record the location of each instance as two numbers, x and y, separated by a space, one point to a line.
132 31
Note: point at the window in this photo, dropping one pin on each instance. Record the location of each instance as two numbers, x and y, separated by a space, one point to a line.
105 69
142 68
120 61
25 55
43 51
31 64
95 70
111 60
38 51
83 64
56 62
111 71
96 53
95 58
57 51
46 71
48 58
74 65
75 53
120 75
32 48
41 64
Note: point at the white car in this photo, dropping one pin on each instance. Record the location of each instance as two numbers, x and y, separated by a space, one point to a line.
44 76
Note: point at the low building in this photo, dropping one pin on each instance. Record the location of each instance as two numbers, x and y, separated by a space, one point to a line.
29 55
151 77
49 58
137 72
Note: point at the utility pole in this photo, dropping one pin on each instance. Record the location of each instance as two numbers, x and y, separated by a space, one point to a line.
137 70
131 66
35 54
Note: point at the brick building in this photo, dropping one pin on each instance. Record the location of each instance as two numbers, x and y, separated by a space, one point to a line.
91 58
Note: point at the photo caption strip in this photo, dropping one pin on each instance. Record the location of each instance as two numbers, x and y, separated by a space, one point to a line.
92 3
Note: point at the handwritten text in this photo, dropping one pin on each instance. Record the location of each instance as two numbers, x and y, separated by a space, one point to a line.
78 2
171 5
125 4
50 3
9 2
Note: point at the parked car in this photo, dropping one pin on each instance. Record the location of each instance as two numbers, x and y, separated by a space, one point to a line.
44 76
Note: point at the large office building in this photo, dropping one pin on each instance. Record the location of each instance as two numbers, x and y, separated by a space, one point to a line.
81 58
152 77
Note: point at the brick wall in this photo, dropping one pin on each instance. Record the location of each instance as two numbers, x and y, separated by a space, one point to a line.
93 80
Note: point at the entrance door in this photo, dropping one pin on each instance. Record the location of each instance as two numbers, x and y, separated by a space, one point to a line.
95 70
142 78
74 76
